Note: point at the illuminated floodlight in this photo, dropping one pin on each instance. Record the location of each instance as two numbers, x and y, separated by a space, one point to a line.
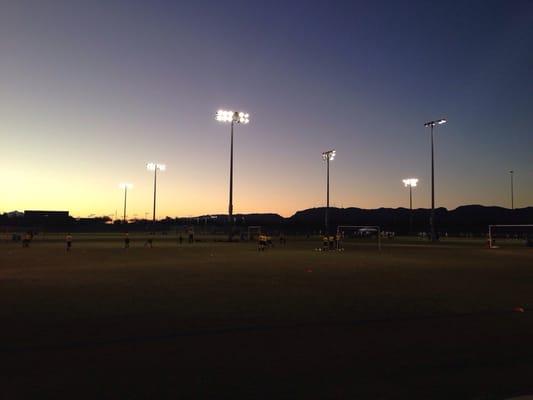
125 185
329 155
239 117
431 125
224 116
153 166
435 122
412 182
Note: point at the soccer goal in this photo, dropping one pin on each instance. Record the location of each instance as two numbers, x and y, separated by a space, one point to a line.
254 232
359 233
502 235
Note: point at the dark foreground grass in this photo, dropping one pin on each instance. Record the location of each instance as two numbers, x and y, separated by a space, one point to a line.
222 320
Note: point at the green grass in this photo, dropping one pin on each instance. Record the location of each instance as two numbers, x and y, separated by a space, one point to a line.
220 319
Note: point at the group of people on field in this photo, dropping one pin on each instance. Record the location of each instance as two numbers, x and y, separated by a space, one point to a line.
332 242
150 241
265 241
27 238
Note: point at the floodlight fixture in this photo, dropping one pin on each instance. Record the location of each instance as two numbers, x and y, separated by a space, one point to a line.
152 166
234 117
238 117
125 185
435 122
329 155
411 182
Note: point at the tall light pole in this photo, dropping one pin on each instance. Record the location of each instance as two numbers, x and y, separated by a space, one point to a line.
512 189
411 183
431 125
125 186
155 167
234 117
327 156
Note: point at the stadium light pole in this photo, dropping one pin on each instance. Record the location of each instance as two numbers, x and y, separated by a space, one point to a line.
431 125
153 166
512 189
125 186
234 117
410 183
327 156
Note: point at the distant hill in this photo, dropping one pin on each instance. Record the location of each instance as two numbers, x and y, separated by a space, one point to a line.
469 218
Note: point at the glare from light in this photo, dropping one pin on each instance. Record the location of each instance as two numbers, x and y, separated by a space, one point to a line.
441 121
410 182
329 155
125 185
239 117
153 166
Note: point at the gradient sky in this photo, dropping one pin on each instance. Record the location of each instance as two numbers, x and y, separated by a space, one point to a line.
92 90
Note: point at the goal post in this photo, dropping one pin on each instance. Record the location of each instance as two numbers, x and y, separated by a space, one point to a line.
510 233
254 232
361 231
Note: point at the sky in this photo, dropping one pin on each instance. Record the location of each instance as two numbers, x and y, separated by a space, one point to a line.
90 91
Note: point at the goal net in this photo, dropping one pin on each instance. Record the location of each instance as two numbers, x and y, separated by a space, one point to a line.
253 232
510 235
359 234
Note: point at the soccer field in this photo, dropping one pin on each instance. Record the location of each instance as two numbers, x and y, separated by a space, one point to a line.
223 320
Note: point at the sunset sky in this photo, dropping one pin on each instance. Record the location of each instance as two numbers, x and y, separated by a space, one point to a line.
90 91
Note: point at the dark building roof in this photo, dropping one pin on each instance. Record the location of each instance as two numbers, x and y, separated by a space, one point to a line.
45 214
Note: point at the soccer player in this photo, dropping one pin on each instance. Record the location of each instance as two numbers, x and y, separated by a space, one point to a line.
262 243
325 243
338 241
68 239
149 242
26 240
127 241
